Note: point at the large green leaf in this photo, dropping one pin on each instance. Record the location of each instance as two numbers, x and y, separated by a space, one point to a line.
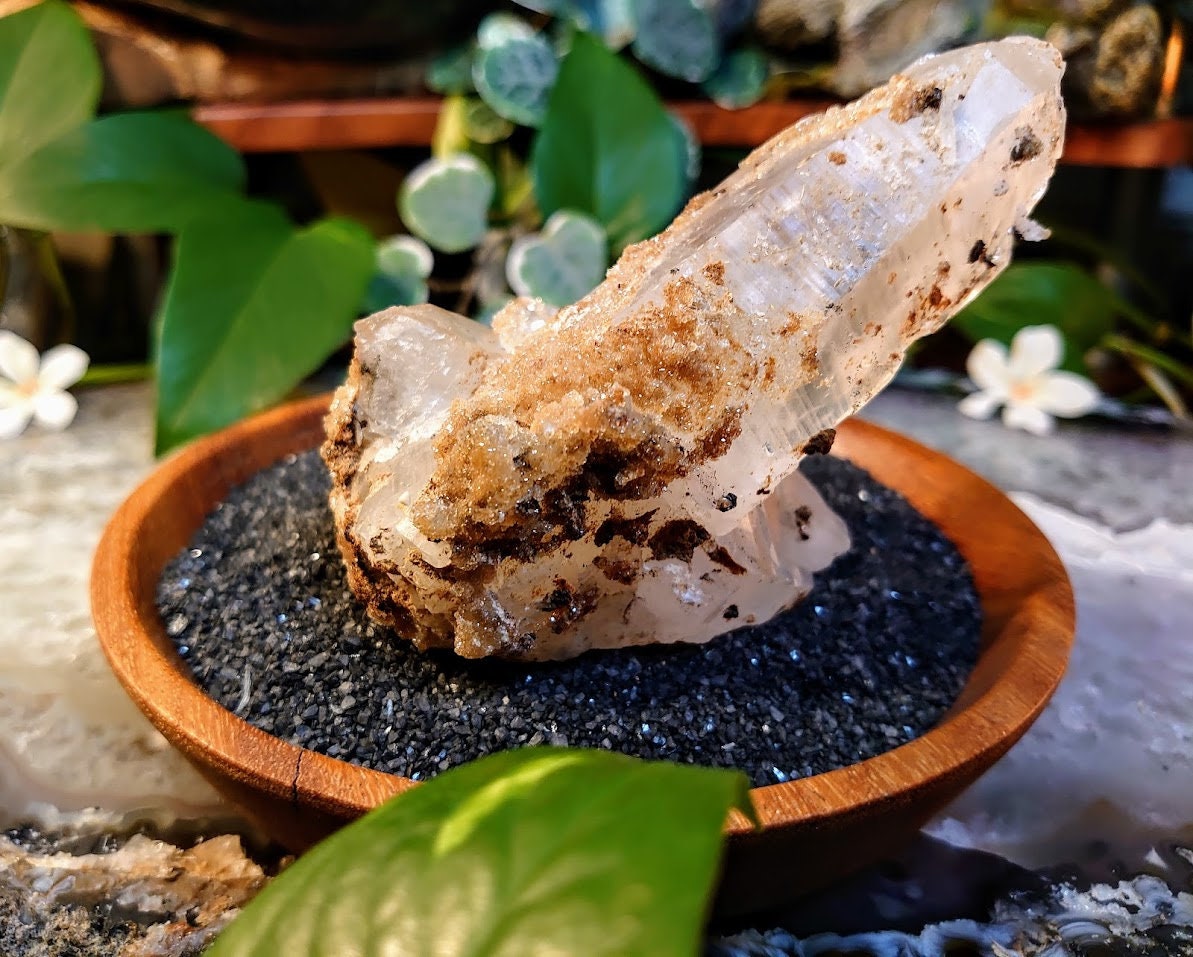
607 147
1043 293
521 854
129 172
253 306
49 77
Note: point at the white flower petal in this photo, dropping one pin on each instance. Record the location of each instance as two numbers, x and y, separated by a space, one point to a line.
1019 415
1066 394
1035 349
62 366
987 366
14 418
54 410
18 358
980 405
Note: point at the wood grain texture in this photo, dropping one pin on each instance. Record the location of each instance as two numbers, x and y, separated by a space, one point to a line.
410 121
816 829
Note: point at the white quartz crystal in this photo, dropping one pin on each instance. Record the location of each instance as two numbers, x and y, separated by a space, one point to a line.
624 471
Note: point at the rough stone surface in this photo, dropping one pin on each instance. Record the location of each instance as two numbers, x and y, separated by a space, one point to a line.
136 898
624 471
71 738
259 607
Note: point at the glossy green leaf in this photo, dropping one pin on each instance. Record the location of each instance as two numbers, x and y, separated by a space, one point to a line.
562 263
1043 293
446 202
129 172
740 79
522 854
608 148
676 37
514 69
403 264
49 78
253 306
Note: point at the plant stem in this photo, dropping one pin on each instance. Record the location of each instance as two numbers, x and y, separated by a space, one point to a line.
116 374
1134 350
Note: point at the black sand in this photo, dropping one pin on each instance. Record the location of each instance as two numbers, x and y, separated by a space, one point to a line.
260 609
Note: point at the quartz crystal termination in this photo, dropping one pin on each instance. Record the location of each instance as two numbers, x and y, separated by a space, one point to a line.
624 471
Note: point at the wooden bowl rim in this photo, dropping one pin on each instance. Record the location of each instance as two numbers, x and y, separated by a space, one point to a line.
970 736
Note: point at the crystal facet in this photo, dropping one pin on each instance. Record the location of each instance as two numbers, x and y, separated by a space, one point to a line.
624 471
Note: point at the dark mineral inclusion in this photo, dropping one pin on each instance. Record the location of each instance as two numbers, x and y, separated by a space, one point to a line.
259 607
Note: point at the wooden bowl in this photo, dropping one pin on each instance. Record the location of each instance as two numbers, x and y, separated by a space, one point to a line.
816 829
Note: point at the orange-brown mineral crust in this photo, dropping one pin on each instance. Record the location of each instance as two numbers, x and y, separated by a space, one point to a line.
625 470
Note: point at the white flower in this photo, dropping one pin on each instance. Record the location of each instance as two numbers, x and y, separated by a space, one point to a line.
1026 382
35 388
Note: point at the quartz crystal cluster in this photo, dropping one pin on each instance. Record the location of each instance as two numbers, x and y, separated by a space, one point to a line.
624 470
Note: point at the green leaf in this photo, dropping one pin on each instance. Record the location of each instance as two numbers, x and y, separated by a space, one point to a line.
608 148
562 263
49 78
403 264
252 306
514 69
1043 293
129 172
676 37
446 202
520 854
740 80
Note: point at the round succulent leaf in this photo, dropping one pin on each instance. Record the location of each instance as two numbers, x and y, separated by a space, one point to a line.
515 77
446 202
615 22
676 37
562 263
740 80
483 124
403 265
401 256
688 144
611 20
553 8
499 28
451 71
731 16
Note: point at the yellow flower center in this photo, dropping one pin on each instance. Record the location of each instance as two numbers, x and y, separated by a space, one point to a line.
1022 391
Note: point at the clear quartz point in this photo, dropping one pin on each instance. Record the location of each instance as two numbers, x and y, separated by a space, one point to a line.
625 470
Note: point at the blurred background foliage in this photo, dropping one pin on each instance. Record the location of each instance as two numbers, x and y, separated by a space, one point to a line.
554 149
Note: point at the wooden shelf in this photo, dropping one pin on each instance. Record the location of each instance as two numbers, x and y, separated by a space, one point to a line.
410 121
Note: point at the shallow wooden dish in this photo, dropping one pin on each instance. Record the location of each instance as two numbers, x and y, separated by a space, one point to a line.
817 828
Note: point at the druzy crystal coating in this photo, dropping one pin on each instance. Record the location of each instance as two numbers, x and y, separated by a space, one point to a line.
624 471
